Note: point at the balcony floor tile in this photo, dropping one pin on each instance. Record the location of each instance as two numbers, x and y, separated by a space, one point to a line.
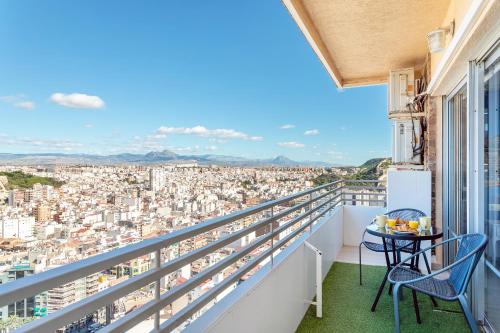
350 254
346 306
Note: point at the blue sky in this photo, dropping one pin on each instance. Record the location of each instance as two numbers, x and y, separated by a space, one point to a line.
194 77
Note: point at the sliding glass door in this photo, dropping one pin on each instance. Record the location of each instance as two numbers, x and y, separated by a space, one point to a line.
491 184
456 199
471 174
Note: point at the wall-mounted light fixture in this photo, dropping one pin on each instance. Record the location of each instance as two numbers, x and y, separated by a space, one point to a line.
437 38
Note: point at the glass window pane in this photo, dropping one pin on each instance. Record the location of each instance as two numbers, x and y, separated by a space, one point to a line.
492 163
492 190
457 176
492 304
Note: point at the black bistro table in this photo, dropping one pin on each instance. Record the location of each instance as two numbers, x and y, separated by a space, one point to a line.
390 240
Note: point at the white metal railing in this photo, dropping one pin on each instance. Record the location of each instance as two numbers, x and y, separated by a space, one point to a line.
307 207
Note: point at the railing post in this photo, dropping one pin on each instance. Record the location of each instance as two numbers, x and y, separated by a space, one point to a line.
309 207
330 205
157 288
109 308
342 184
272 238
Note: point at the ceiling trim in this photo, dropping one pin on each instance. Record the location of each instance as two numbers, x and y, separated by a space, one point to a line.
365 82
303 20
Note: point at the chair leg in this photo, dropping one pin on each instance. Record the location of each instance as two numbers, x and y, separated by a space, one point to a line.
415 304
429 271
379 292
360 277
427 264
395 297
468 314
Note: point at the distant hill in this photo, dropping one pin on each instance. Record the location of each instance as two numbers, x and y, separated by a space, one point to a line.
372 169
153 157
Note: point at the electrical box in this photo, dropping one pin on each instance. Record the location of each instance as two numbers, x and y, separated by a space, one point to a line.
401 91
406 136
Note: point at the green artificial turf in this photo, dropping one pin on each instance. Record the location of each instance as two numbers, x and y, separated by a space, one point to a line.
346 306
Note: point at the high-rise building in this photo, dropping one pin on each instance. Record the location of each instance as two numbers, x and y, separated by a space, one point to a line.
16 198
41 213
61 296
21 227
22 308
157 179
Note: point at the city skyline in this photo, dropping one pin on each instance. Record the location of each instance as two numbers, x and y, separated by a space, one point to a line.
119 80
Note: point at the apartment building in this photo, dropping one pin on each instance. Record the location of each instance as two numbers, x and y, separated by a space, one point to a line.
17 227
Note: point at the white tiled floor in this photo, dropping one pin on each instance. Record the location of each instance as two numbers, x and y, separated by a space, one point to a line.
350 254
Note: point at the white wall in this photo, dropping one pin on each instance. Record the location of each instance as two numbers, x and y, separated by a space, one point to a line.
409 189
275 299
356 218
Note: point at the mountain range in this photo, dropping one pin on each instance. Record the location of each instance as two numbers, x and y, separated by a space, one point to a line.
153 157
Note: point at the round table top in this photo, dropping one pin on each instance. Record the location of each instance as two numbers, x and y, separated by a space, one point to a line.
431 234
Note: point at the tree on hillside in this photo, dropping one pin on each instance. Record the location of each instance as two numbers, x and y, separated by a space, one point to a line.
372 169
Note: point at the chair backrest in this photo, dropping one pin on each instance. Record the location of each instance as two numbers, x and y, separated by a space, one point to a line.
405 214
461 273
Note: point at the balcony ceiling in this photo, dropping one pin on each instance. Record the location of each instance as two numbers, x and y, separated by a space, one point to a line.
359 41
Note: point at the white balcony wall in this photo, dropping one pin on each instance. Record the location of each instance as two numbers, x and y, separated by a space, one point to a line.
356 218
409 189
291 281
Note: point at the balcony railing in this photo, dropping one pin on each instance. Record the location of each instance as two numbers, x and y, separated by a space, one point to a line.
282 220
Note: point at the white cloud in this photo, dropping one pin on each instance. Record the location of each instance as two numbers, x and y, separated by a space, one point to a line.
10 99
202 131
88 125
188 149
219 141
18 101
39 144
77 101
311 132
287 126
211 148
336 154
141 146
291 144
27 105
378 152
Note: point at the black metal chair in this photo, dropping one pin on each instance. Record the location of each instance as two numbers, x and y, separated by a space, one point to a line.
401 245
470 249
